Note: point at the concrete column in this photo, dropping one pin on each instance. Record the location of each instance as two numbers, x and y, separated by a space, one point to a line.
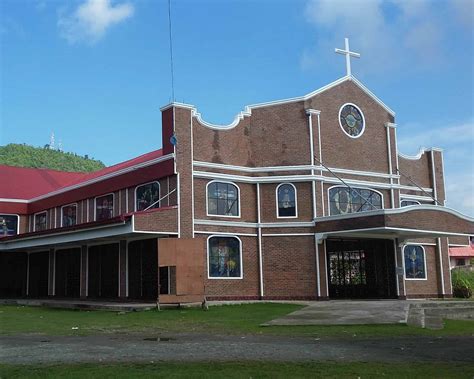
52 272
84 271
323 271
123 269
444 272
399 268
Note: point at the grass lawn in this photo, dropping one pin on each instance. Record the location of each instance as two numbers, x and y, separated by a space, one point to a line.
242 370
227 319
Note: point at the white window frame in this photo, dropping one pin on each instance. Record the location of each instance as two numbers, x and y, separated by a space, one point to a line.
424 261
356 188
34 220
144 184
277 202
363 120
404 199
240 253
17 223
95 204
207 199
62 213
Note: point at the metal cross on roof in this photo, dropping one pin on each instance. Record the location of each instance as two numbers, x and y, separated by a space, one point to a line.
348 55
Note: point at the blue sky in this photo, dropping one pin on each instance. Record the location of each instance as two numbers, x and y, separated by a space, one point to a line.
96 72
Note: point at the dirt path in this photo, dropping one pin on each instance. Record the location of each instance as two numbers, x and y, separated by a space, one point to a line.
55 349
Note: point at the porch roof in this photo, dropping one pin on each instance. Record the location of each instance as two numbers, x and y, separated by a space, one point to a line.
163 222
417 221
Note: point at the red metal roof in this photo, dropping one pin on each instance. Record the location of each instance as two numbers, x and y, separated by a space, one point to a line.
28 183
463 251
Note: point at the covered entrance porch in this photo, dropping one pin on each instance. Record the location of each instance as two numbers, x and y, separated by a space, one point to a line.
361 269
389 253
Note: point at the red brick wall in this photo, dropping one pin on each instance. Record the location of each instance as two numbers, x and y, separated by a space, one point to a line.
248 286
289 267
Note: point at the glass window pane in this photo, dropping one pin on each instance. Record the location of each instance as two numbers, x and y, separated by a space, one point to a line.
224 257
148 196
286 201
222 199
414 262
8 225
40 222
69 216
104 207
342 200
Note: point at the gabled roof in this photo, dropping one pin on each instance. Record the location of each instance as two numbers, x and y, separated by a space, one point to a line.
29 183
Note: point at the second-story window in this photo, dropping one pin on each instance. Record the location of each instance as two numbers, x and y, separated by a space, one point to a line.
40 221
69 215
343 200
286 200
407 203
8 225
147 196
104 207
223 199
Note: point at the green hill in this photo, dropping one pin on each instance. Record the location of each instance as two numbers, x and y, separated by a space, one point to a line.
38 157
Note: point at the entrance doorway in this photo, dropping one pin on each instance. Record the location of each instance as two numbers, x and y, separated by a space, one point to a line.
103 271
68 273
361 269
38 274
143 269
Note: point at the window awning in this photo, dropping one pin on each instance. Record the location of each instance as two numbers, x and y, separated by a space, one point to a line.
418 221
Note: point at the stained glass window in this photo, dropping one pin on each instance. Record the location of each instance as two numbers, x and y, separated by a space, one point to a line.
286 194
407 203
8 225
148 196
69 215
40 221
222 199
343 200
414 262
351 120
104 207
224 257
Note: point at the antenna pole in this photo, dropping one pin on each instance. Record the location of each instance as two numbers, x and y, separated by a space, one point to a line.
171 50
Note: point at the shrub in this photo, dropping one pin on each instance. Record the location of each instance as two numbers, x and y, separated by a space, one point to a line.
463 283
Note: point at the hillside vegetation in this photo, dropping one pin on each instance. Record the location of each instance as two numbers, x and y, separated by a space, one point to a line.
38 157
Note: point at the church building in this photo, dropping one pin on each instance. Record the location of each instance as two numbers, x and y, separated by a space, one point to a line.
302 198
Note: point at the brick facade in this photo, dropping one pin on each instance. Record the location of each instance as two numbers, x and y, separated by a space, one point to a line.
299 142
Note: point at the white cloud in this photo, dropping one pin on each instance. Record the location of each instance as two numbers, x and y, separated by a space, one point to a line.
90 21
381 36
458 144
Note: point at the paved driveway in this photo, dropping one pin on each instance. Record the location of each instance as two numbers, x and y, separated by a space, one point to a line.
28 349
341 312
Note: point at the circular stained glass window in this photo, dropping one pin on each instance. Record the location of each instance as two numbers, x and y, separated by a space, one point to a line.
351 120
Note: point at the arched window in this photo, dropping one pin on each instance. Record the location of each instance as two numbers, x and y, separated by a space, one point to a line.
223 199
415 262
147 196
343 200
224 257
286 200
407 203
